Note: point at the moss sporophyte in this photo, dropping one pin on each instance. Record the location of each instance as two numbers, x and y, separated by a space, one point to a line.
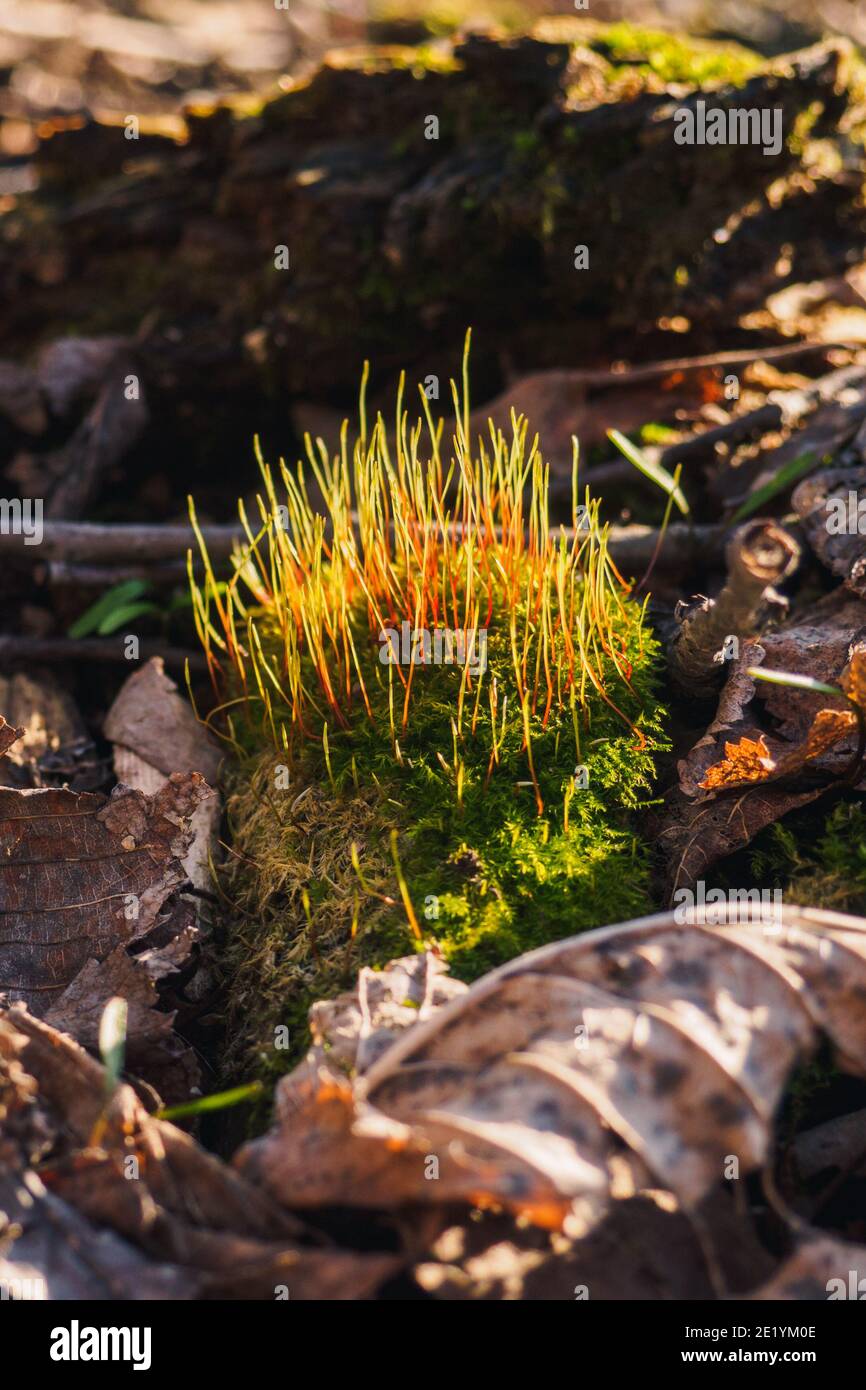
439 713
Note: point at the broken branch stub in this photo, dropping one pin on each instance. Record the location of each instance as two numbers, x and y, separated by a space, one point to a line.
759 555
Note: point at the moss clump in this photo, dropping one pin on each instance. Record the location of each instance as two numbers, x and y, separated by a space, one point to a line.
641 50
831 873
488 878
474 788
674 57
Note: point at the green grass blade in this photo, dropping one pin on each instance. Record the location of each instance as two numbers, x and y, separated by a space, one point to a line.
654 471
112 1041
221 1101
118 616
787 474
115 597
795 682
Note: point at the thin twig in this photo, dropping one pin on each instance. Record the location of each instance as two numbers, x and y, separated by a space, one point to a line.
72 543
109 650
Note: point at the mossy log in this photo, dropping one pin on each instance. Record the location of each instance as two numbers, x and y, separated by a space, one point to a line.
396 241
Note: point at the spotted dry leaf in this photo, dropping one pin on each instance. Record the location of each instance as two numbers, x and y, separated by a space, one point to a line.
81 874
642 1055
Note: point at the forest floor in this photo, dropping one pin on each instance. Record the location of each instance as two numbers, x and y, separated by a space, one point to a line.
206 229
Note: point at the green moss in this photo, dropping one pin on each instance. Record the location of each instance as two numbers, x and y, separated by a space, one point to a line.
633 48
478 794
675 57
831 872
487 875
444 17
806 1094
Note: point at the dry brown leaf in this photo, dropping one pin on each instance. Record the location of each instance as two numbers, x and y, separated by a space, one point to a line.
490 1257
691 837
853 680
8 735
750 760
154 1051
52 732
747 760
150 718
56 1253
80 874
662 1045
829 727
155 733
188 1226
818 644
696 826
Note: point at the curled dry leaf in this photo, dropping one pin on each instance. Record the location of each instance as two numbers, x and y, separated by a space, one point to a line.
149 718
692 835
642 1055
818 643
153 1049
58 1254
188 1227
750 760
701 824
155 732
492 1257
52 732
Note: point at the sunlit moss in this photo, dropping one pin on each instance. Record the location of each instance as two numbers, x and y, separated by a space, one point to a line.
484 804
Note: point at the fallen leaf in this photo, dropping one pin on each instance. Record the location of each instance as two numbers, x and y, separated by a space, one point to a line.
56 1253
747 760
750 760
732 719
154 1052
155 733
853 679
70 891
699 824
658 1045
149 718
189 1226
691 836
50 727
492 1258
8 735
